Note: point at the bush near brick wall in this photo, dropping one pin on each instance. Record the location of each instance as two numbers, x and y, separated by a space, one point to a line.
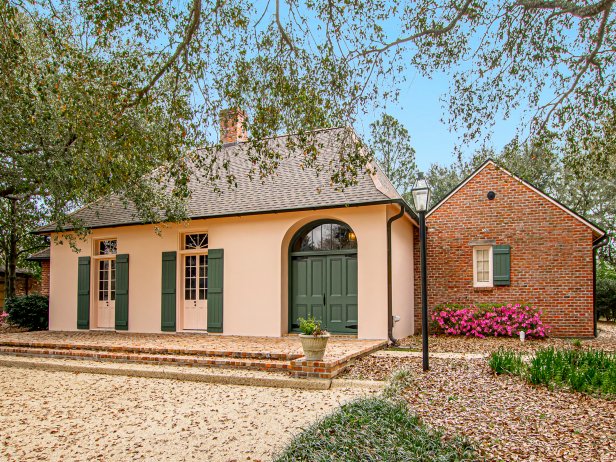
551 252
489 320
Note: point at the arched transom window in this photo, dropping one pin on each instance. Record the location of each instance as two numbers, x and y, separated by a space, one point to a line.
324 237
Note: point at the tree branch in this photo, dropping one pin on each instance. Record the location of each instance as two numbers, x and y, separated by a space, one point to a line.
567 7
193 25
587 63
281 29
434 31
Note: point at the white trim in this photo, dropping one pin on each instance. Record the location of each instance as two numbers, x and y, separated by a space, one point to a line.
528 185
490 281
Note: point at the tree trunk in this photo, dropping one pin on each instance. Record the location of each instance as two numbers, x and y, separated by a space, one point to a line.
11 276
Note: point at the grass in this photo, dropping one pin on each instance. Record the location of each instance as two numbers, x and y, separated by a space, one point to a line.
506 362
592 372
374 429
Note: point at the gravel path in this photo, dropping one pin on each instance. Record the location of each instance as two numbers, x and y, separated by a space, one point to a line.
75 417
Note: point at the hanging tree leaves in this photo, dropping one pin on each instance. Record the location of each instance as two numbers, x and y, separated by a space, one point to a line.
97 94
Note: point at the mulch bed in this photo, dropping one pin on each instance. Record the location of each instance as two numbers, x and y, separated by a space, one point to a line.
606 340
505 418
8 329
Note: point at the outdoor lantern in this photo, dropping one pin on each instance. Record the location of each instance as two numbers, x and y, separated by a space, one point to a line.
421 193
352 236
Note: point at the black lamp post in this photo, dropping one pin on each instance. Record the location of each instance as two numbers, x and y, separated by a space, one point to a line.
421 198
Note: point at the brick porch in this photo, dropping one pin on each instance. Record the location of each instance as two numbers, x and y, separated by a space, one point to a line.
198 350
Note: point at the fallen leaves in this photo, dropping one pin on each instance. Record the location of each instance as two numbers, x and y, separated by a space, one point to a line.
505 418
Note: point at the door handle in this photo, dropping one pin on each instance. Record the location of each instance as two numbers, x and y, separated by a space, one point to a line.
323 299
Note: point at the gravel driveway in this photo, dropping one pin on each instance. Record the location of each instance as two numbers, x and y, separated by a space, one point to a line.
75 417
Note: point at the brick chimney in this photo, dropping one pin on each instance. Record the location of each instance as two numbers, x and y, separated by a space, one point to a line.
232 127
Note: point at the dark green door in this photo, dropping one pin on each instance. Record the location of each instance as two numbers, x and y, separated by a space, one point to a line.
341 296
325 286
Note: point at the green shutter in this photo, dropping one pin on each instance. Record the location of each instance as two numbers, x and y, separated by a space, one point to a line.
215 270
121 301
168 292
502 265
83 293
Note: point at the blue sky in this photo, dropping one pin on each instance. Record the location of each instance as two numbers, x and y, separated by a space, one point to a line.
420 110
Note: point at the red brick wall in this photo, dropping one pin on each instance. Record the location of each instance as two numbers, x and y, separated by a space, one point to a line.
45 268
551 252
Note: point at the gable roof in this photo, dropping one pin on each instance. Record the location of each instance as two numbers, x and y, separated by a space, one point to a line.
44 254
564 208
289 188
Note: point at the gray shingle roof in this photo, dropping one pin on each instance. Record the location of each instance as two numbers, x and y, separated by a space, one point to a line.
289 188
44 254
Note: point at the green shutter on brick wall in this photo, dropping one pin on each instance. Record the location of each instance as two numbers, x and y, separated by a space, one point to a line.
83 293
215 270
502 265
168 292
121 301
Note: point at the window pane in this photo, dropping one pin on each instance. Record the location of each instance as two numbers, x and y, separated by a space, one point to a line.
108 247
196 241
202 277
482 263
326 236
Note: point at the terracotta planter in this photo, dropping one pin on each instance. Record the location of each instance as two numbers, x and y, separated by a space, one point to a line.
314 346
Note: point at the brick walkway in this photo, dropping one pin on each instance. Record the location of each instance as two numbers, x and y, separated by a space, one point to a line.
265 353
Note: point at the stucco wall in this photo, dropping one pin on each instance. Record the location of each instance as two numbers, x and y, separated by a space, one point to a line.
256 284
402 266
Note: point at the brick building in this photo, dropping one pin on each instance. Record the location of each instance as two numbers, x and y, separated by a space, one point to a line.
27 283
496 238
43 258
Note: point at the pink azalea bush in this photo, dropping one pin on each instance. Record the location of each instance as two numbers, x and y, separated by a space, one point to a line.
497 321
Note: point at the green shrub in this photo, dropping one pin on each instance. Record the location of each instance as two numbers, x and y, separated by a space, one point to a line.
506 362
606 298
374 429
587 371
399 380
29 311
590 371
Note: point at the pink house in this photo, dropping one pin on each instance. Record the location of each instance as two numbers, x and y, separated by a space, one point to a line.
254 259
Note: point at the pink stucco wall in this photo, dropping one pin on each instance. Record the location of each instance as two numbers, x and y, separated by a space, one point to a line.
256 260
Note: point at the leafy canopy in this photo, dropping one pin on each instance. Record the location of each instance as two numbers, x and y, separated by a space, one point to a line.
95 94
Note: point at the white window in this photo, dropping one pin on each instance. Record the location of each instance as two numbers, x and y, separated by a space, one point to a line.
482 266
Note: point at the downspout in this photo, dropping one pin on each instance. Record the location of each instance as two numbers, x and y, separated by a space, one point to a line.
390 318
597 245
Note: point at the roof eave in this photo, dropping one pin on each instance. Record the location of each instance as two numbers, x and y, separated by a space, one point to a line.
401 202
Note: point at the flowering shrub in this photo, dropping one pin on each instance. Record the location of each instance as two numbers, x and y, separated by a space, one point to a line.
486 321
3 318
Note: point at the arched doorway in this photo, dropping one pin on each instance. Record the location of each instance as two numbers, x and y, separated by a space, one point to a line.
323 276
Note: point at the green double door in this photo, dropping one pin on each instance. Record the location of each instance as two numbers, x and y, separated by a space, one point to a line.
325 286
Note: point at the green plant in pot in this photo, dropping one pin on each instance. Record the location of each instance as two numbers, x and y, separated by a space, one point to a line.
313 338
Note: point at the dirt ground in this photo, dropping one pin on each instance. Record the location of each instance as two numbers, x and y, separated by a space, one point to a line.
53 416
606 340
505 418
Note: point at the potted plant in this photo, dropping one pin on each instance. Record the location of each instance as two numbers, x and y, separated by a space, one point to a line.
313 338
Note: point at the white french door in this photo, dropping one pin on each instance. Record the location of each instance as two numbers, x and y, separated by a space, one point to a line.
195 292
106 272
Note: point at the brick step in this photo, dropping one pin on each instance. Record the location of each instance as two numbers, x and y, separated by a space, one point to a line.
152 350
168 359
